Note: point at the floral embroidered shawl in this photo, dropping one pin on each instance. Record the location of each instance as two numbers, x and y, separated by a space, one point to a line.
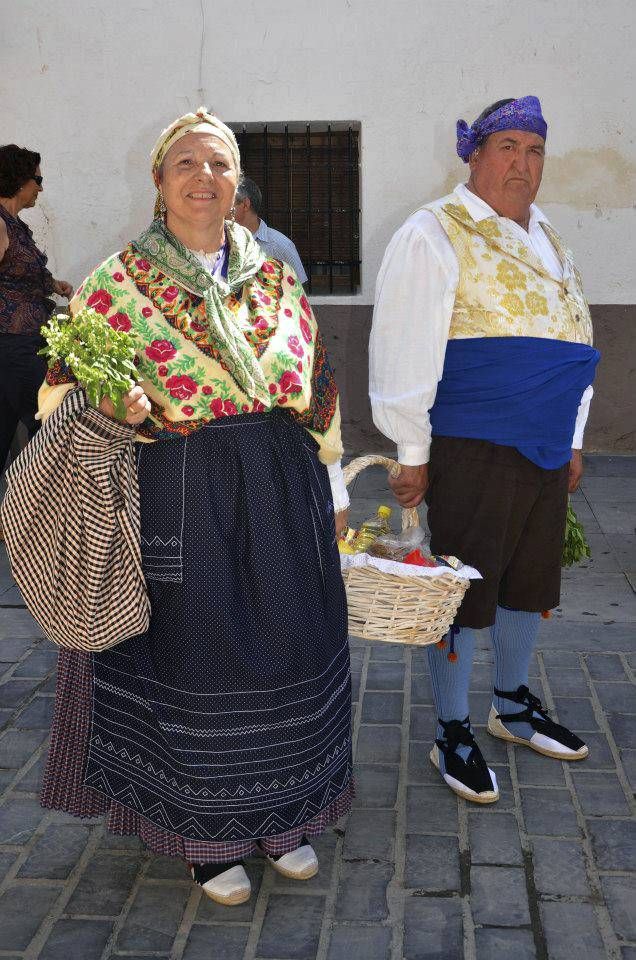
205 348
167 253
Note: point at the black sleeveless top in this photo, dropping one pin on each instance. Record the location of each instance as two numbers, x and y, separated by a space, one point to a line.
25 282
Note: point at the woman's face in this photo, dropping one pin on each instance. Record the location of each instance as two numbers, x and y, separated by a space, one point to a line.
198 179
28 192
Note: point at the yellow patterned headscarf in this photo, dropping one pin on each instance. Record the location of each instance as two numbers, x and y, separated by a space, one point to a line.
199 122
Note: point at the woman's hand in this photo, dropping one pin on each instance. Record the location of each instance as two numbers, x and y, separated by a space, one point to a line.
137 406
63 288
4 239
342 521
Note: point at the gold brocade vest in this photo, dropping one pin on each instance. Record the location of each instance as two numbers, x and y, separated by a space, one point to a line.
504 289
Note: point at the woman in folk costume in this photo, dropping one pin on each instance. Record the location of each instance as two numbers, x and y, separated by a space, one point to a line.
226 726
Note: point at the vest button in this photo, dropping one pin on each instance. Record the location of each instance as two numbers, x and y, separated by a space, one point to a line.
577 317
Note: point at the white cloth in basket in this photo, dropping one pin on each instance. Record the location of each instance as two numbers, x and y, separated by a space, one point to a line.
349 560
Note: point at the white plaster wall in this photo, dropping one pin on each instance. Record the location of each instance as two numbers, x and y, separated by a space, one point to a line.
90 84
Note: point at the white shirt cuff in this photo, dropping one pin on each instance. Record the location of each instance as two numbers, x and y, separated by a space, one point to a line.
339 492
581 418
412 455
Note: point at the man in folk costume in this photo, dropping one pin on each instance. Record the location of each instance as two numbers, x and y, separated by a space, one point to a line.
481 368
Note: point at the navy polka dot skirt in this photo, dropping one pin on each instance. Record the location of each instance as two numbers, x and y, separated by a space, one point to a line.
230 719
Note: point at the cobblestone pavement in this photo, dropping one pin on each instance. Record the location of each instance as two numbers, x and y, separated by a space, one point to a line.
548 872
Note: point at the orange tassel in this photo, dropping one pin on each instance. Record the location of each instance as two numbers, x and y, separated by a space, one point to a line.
441 644
546 614
452 633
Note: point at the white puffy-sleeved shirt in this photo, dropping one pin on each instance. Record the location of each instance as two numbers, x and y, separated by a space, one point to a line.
414 299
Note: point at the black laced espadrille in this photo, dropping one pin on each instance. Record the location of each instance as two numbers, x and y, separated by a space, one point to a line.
465 772
549 738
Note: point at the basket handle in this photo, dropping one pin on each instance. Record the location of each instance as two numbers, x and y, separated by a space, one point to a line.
410 516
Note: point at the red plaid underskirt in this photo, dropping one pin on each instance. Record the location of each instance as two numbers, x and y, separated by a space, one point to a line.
63 787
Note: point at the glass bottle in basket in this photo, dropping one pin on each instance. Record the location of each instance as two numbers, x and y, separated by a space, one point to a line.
371 529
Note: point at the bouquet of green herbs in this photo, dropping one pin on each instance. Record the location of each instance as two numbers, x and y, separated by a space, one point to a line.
99 357
576 547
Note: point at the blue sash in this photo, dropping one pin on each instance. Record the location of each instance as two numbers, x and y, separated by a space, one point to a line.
521 392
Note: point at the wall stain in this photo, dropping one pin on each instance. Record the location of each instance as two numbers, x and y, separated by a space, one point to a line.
589 180
597 180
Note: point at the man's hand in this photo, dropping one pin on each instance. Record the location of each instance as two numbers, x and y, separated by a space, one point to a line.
409 488
63 288
342 521
576 470
137 406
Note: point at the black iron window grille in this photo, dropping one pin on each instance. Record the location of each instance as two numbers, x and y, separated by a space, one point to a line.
309 174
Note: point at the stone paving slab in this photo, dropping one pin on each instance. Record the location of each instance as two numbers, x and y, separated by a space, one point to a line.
548 873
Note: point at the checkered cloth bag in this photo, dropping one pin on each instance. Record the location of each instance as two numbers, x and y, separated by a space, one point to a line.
72 527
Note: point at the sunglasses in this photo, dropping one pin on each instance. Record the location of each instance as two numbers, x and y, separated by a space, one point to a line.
38 180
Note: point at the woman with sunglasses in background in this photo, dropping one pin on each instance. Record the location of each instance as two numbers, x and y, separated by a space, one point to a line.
25 288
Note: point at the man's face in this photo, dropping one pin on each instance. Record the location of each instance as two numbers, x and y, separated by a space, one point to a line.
506 170
241 210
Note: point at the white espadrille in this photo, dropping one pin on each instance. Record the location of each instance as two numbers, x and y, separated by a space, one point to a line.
299 864
228 888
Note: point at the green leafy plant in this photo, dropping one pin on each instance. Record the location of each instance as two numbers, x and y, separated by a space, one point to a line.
101 359
576 547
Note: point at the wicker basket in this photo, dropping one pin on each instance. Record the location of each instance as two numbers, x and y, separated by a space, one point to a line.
417 610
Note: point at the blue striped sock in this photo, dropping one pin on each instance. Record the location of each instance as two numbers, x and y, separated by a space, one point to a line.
514 635
450 680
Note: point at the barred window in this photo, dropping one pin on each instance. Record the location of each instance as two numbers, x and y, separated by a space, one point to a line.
309 174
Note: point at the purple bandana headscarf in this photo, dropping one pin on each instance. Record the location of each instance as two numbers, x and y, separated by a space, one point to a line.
522 114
